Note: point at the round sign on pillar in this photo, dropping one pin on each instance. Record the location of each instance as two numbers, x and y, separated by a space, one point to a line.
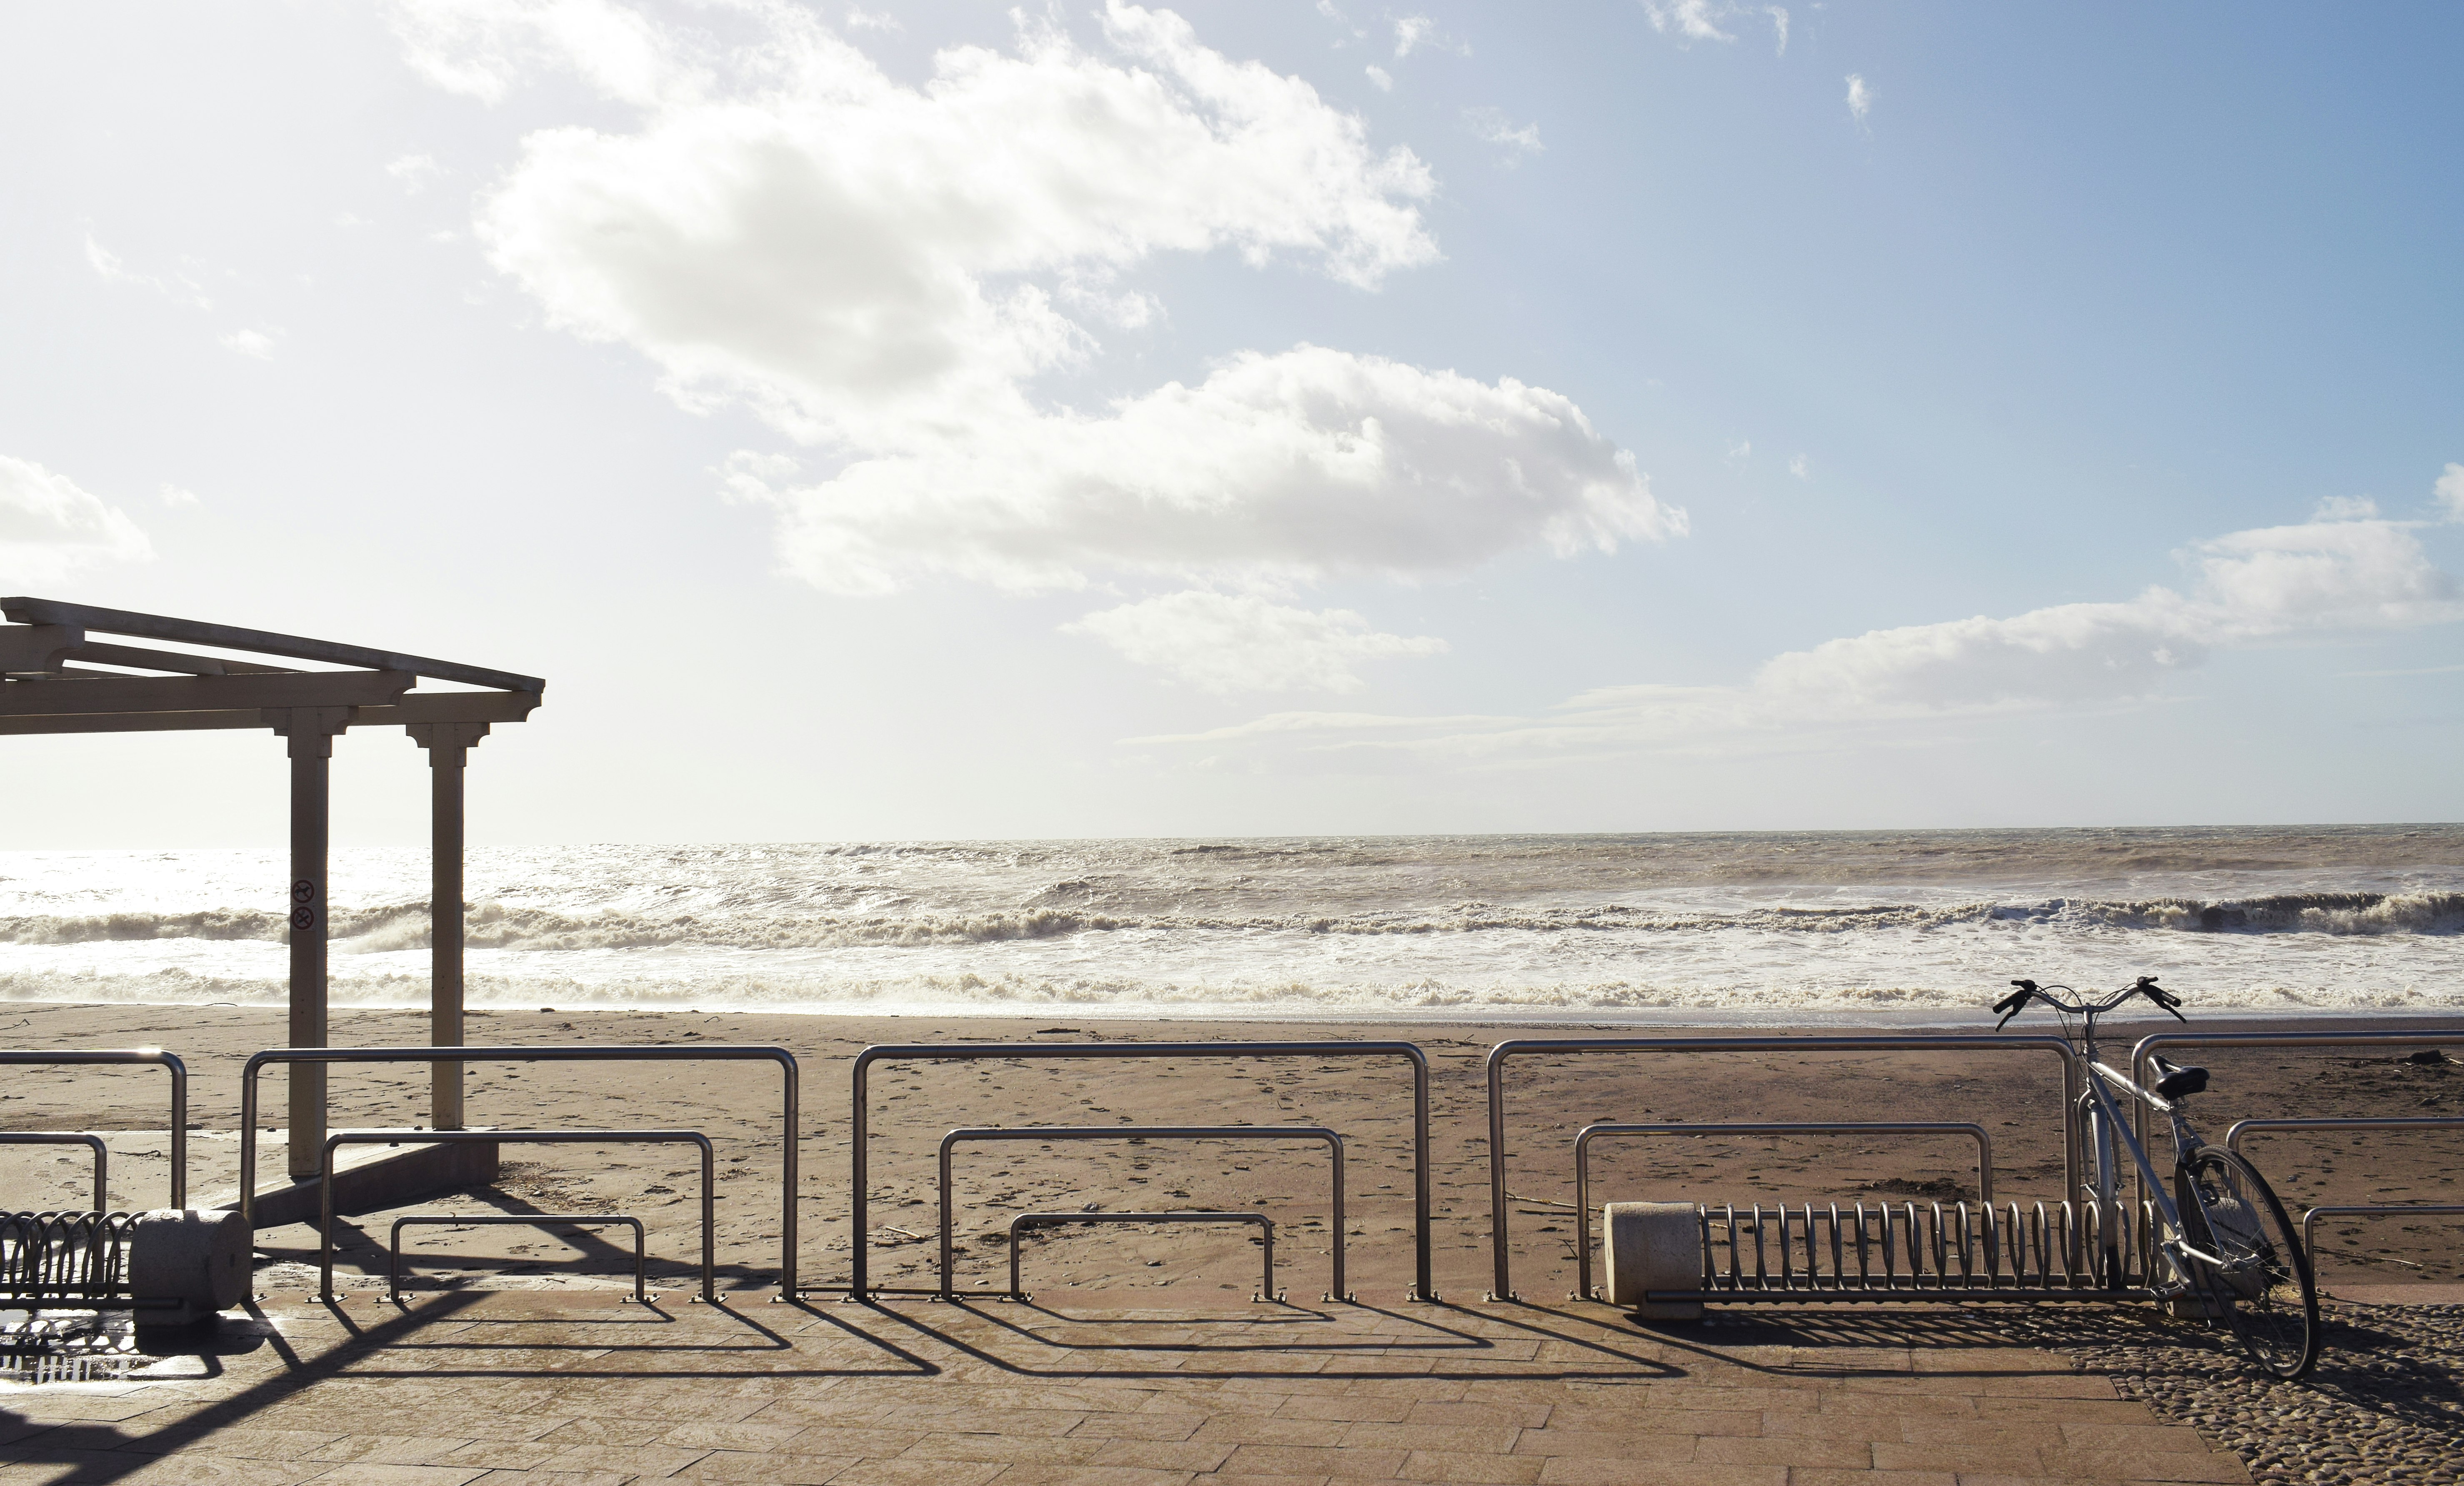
303 892
303 918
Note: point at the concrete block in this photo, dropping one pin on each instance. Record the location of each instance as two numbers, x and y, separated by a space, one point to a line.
1653 1246
200 1260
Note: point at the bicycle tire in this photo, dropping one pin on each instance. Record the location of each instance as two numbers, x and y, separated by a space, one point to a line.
2266 1291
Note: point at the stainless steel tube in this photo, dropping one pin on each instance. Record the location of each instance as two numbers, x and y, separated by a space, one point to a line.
90 1056
101 1156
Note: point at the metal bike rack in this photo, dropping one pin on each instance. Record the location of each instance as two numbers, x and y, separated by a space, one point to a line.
90 1056
2242 1127
1084 1132
1907 1253
342 1138
1522 1047
1019 1224
2386 1210
860 1188
716 1053
641 1253
1589 1133
2148 1046
72 1259
101 1156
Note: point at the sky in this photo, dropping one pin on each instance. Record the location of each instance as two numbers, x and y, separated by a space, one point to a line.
958 421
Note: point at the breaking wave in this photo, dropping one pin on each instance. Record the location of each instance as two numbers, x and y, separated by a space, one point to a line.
492 925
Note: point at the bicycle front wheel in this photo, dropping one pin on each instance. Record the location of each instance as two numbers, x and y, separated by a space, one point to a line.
2264 1287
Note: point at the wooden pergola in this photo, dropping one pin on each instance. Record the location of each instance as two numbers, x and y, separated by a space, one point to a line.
59 679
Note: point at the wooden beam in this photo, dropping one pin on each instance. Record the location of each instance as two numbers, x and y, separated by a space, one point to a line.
35 647
98 654
200 693
156 626
443 707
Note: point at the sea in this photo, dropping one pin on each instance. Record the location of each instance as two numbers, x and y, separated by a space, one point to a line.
1833 926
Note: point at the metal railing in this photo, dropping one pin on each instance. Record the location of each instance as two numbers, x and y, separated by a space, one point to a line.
641 1249
1589 1133
860 1188
1909 1252
1937 1042
101 1156
1018 1224
715 1053
2243 1128
342 1138
2148 1046
88 1057
2382 1209
1145 1133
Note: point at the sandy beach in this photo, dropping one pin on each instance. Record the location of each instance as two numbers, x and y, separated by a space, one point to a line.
1368 1101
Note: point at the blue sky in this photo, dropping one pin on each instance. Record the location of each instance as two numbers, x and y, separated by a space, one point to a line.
1258 419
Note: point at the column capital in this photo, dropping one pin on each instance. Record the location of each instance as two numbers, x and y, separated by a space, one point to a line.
311 729
439 736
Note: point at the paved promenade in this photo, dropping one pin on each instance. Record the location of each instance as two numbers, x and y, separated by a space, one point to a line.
571 1388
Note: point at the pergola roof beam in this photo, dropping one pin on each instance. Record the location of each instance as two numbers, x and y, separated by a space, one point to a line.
179 631
84 696
100 654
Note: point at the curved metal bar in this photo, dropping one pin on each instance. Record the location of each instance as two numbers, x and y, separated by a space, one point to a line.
2242 1128
1520 1047
1589 1133
2147 1046
2380 1210
723 1052
641 1257
342 1138
169 1063
1027 1220
101 1156
1084 1132
860 1185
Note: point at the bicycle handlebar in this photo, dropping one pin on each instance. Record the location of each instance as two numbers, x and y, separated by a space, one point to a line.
2017 1001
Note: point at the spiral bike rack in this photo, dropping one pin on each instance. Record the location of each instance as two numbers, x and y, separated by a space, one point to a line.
641 1255
101 1156
2245 1127
1584 1138
860 1188
715 1053
340 1138
1522 1047
1145 1133
92 1057
1811 1253
74 1258
1018 1224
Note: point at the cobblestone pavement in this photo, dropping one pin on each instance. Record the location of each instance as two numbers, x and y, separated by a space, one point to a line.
2385 1404
564 1389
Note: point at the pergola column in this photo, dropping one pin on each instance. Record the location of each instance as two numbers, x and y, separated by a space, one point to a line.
449 746
311 731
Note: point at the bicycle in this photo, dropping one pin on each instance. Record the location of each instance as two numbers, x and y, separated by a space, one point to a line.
2225 1237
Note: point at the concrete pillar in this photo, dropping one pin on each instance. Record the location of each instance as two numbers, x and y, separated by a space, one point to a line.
449 746
311 731
1653 1246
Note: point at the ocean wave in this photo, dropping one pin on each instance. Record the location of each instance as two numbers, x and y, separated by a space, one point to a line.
494 926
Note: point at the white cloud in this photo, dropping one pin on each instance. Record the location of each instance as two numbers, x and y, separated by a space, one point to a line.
1743 448
483 47
414 171
50 529
1801 466
1379 76
858 18
2321 578
250 342
179 288
2450 491
1276 468
1861 97
1491 126
878 265
1695 20
1416 33
1779 26
887 270
175 495
1225 643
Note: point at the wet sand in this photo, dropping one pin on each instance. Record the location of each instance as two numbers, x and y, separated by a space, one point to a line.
2014 1096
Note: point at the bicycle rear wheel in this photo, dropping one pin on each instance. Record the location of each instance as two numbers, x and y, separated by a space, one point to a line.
2264 1288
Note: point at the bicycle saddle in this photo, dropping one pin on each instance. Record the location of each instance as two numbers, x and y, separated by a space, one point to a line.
2175 1080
